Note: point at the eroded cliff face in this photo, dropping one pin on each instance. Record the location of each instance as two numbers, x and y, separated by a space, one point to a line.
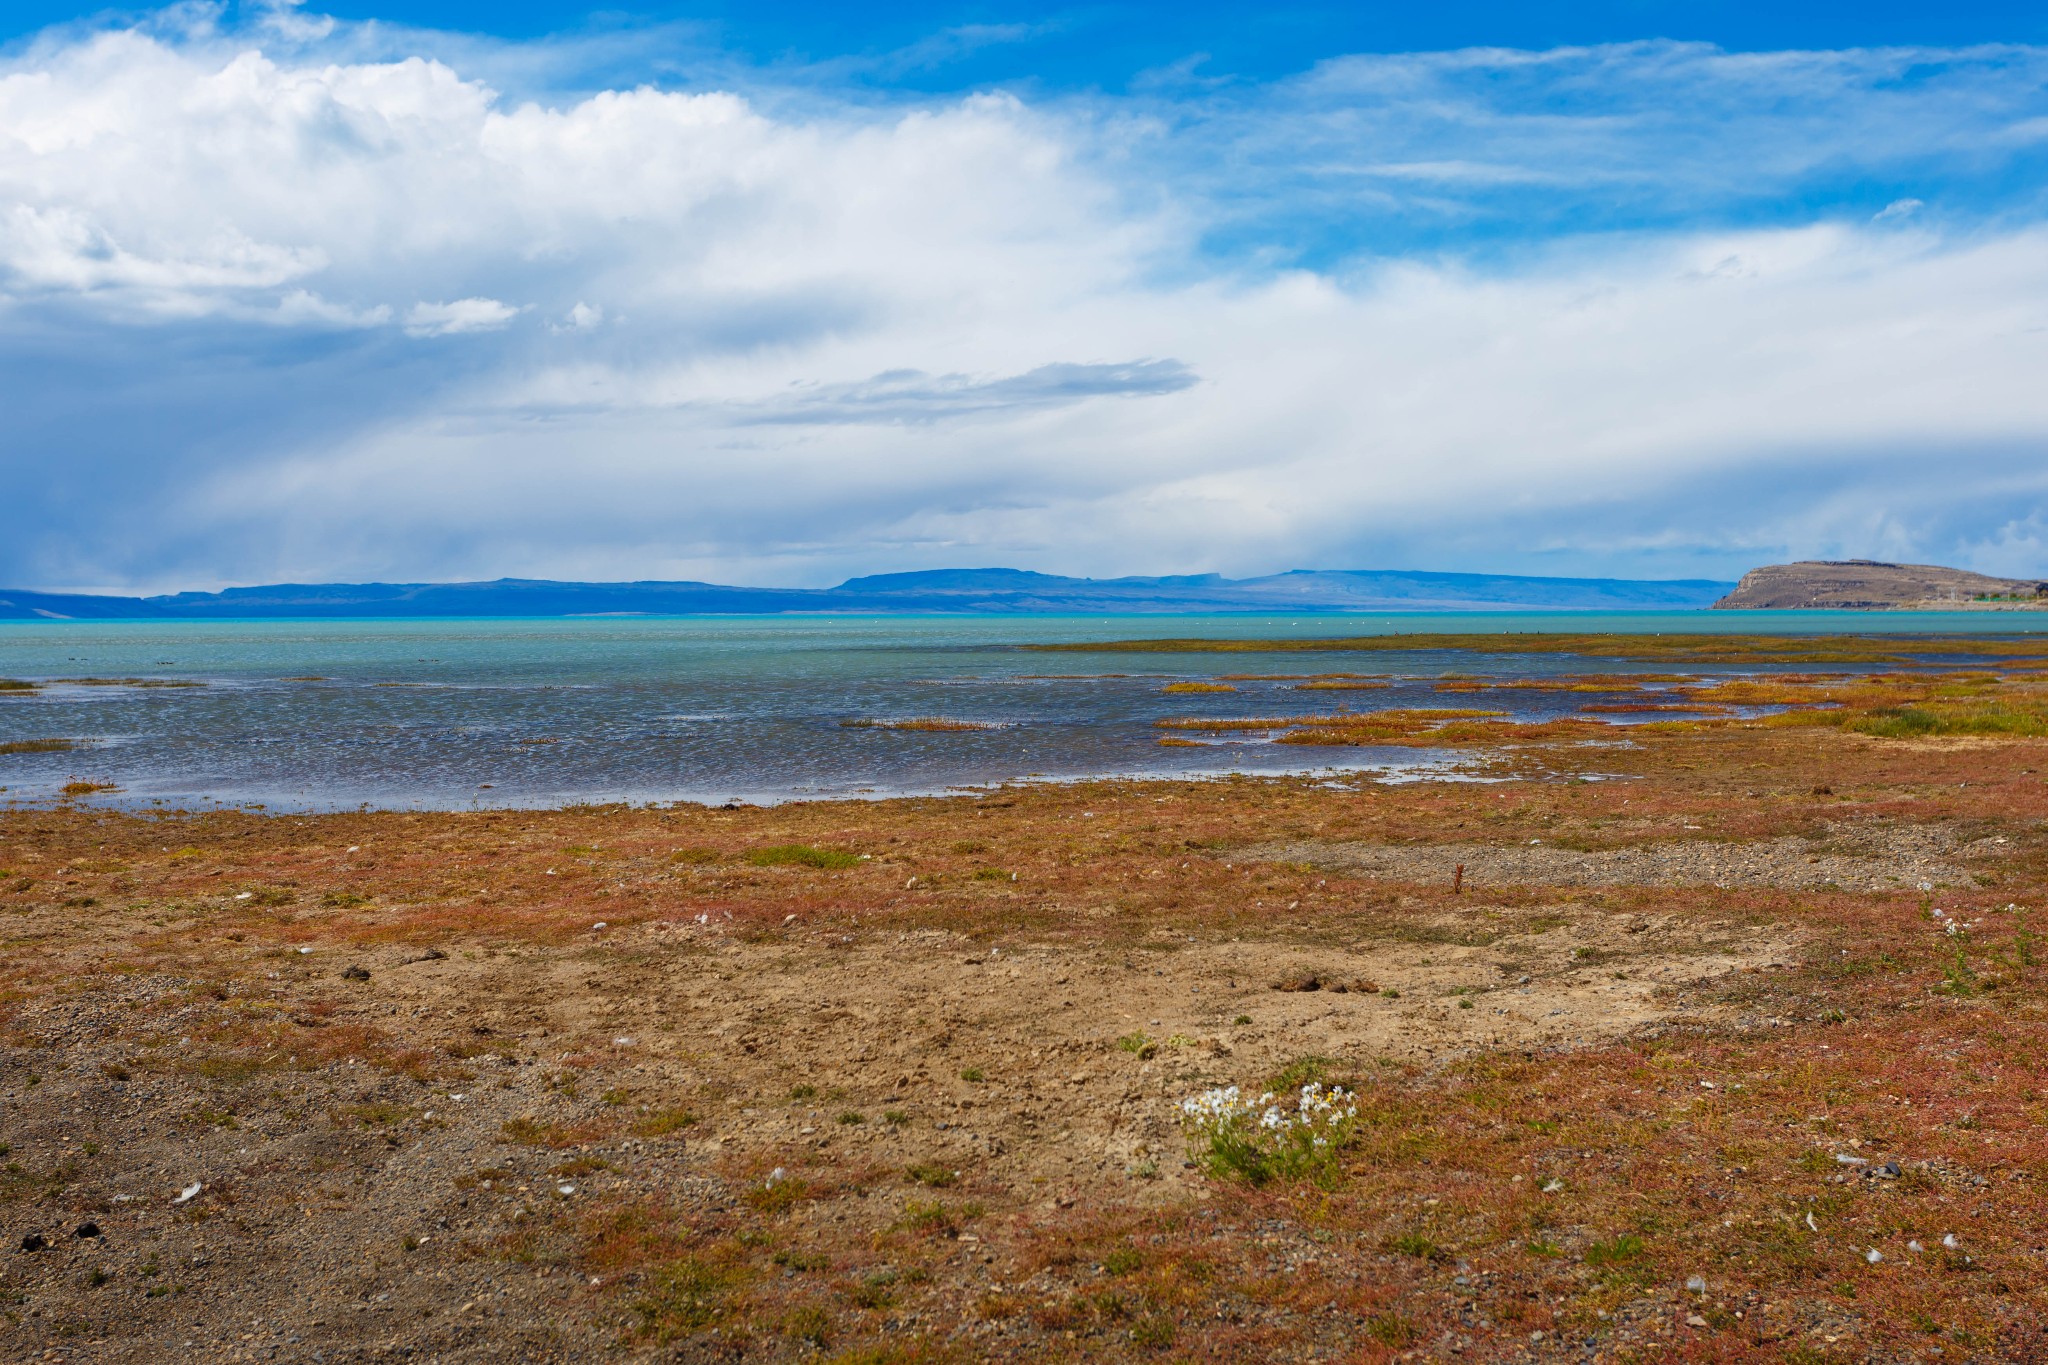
1870 585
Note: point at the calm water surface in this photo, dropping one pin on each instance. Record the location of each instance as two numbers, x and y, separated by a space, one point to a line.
318 715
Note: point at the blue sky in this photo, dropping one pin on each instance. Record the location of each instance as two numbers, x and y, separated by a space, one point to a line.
786 293
1062 47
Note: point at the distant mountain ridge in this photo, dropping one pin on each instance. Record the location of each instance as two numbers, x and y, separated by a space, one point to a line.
966 591
1874 585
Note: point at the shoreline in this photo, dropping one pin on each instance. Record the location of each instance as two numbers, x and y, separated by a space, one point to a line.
1449 767
903 1077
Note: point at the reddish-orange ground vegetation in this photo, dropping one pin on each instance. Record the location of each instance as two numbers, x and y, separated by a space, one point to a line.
1683 1062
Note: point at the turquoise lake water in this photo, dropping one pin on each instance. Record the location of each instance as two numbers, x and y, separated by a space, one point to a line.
322 715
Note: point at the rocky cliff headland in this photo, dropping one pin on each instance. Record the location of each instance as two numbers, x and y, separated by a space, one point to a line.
1872 585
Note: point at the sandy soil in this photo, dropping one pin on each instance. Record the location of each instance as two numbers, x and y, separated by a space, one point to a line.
312 1183
474 1088
1852 857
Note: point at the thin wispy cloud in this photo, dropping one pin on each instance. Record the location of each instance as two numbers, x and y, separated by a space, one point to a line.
914 396
311 299
1398 152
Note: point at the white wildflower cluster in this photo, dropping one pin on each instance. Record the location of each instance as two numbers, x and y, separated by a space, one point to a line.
1952 925
1256 1139
1215 1105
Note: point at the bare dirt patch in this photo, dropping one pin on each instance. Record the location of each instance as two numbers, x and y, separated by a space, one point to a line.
1851 857
339 1204
897 1082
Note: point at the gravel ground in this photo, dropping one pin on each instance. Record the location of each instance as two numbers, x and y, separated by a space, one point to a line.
1851 858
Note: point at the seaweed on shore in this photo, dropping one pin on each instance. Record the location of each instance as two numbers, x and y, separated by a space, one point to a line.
1895 705
42 746
1421 726
1847 649
1301 677
1617 708
1586 682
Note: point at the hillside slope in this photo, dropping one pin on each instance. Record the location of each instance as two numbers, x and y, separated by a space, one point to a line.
980 591
1872 585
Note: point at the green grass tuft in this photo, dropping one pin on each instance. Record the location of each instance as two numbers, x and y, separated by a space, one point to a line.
802 855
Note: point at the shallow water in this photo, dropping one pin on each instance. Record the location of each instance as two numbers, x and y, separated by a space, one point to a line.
322 715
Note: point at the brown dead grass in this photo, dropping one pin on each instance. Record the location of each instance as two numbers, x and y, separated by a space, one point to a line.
1716 1051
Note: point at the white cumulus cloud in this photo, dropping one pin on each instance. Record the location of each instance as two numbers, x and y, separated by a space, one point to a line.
462 315
779 337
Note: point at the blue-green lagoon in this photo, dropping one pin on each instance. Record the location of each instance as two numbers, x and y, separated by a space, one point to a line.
325 714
